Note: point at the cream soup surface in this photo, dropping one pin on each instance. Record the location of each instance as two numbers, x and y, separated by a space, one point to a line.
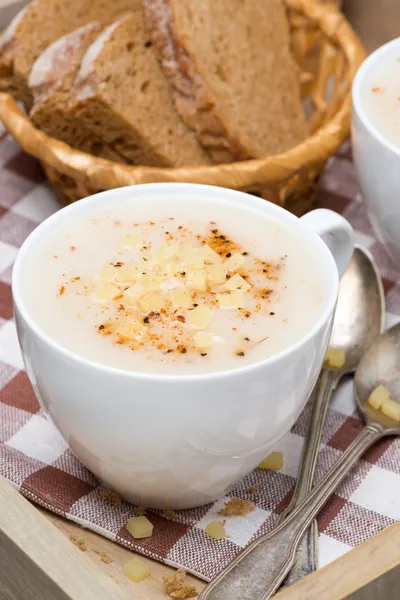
174 288
381 97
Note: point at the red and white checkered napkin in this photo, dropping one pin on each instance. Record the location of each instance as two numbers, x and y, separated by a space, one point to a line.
36 460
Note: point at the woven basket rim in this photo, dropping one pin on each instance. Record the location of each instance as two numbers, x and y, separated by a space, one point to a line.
311 152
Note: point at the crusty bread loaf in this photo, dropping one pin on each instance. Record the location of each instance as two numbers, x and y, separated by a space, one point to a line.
38 25
233 77
50 82
121 94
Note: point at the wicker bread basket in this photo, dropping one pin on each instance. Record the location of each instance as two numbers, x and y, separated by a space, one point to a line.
328 53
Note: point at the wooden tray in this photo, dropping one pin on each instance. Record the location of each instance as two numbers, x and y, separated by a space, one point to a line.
38 561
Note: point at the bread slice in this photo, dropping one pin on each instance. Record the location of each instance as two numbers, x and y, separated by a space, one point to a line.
121 94
50 82
233 77
39 24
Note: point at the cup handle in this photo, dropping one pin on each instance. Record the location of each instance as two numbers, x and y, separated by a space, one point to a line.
335 231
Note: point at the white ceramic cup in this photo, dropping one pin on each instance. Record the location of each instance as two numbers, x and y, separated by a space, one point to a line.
377 160
179 440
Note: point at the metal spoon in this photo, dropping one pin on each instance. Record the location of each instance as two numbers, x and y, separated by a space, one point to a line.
257 572
359 319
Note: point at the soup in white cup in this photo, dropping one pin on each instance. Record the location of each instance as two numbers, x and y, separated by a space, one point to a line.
376 141
163 418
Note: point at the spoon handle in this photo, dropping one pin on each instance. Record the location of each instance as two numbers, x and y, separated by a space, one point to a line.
257 572
306 556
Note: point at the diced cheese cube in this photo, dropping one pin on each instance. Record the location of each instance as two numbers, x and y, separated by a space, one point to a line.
234 262
168 268
377 397
131 330
107 272
335 358
105 291
215 530
139 527
126 274
236 282
216 274
391 409
181 297
203 340
132 294
196 280
231 300
195 259
136 569
167 252
150 282
184 250
210 256
150 302
273 461
130 241
199 317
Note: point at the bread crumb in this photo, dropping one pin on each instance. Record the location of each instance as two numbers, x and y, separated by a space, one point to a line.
237 507
176 586
169 514
79 543
103 556
252 489
110 496
139 511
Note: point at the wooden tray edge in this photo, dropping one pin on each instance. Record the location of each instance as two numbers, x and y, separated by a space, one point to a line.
36 558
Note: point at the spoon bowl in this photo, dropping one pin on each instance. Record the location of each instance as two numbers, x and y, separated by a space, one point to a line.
360 314
379 365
